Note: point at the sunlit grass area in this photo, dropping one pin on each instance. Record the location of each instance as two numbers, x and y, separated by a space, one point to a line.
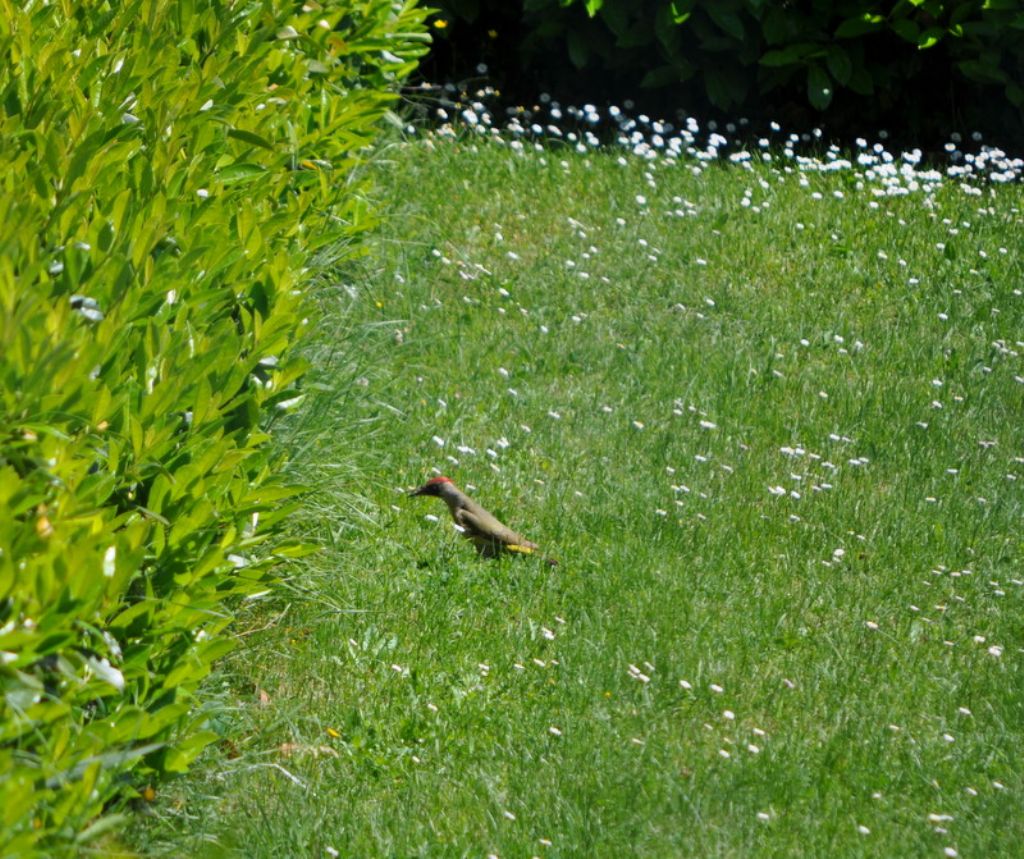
767 416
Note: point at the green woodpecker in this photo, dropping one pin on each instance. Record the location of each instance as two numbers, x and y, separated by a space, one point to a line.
487 534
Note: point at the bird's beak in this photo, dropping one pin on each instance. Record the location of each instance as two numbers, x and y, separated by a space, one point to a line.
414 492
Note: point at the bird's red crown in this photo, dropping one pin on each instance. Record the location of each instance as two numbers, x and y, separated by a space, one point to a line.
437 481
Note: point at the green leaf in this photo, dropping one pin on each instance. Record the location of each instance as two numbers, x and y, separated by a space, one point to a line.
579 49
726 20
861 81
982 71
178 758
667 32
796 54
250 137
616 18
680 10
105 240
101 826
241 172
839 63
297 550
906 30
858 25
819 87
776 26
929 38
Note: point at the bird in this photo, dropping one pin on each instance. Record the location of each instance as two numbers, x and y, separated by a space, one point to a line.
489 536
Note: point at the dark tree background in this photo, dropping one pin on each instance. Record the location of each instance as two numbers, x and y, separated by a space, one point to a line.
919 68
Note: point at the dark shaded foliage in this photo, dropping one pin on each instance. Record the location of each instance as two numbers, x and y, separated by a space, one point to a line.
918 67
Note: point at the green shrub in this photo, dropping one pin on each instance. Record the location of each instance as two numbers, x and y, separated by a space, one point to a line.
905 55
169 171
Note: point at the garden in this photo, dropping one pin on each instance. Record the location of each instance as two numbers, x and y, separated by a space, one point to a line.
755 386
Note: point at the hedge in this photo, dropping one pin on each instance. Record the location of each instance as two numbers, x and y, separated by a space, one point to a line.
169 171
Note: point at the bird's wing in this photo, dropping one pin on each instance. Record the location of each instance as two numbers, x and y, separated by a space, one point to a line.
480 525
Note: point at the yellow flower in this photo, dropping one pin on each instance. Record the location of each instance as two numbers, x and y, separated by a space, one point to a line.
440 24
492 34
333 733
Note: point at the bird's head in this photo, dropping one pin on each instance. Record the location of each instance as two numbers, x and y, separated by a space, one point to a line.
432 486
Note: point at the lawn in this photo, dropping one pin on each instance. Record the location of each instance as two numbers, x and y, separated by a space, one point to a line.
767 415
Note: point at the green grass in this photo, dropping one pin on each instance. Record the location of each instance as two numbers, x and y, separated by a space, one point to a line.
400 698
